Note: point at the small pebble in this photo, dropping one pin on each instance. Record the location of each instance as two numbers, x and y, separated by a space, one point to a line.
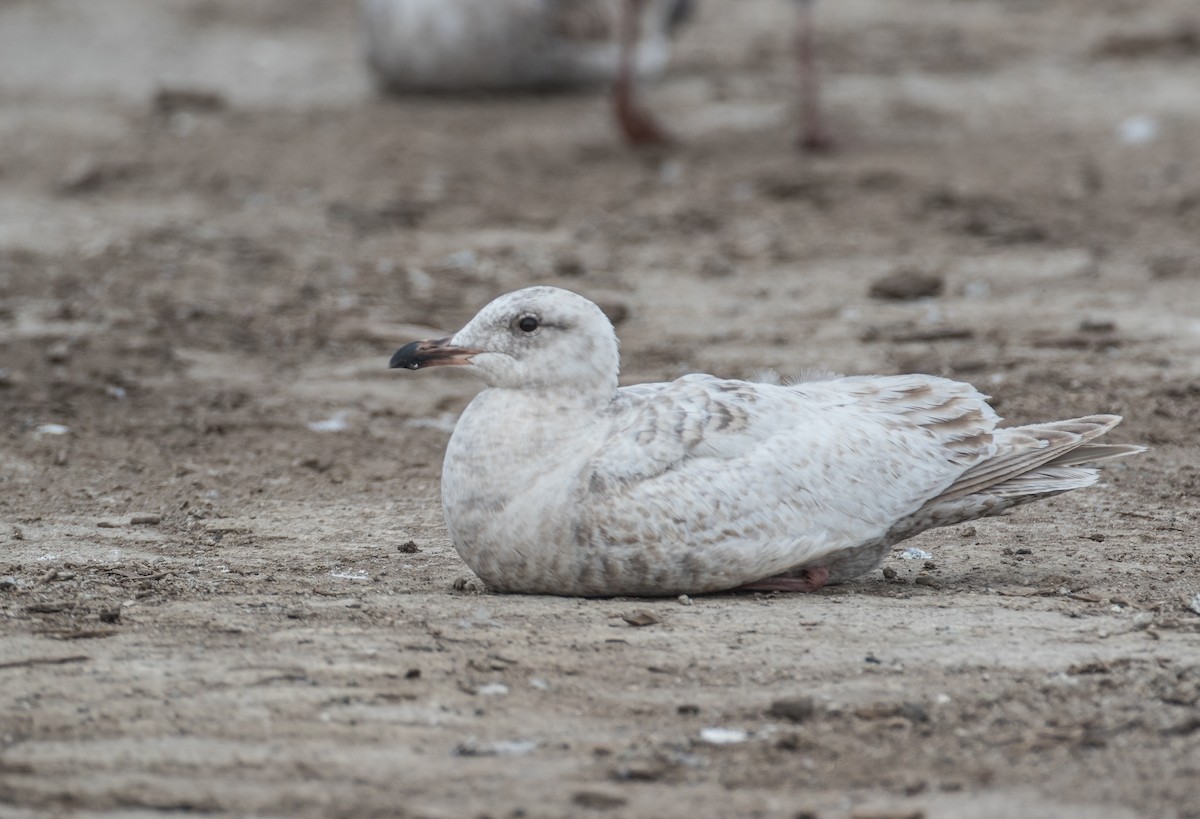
617 311
597 800
146 519
641 618
1090 325
639 772
11 378
83 174
790 741
109 524
1137 130
110 615
795 709
504 747
569 265
914 712
926 580
315 464
1194 603
723 736
335 423
906 284
717 267
877 711
684 600
1170 266
887 813
169 101
889 573
58 352
1143 620
466 584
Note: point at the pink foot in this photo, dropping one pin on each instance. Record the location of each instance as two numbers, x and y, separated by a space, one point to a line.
806 580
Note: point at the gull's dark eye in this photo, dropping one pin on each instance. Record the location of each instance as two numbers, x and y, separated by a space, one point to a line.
528 324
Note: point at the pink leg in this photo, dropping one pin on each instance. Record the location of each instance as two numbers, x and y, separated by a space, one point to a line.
812 135
808 580
637 125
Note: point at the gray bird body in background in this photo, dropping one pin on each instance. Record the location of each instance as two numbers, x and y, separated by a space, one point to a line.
510 45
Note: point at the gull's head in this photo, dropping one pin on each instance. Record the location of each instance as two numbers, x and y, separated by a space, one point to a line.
536 338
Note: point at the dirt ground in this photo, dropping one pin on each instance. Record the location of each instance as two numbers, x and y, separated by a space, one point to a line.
213 234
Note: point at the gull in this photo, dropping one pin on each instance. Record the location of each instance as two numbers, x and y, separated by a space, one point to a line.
448 46
512 45
557 481
640 128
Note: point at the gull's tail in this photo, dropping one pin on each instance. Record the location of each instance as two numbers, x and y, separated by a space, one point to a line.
1038 460
1029 463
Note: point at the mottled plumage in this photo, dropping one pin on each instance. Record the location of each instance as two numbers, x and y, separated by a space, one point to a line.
555 481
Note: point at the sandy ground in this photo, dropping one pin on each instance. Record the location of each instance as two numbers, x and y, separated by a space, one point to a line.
188 284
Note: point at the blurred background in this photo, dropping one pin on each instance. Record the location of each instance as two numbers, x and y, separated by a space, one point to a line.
222 181
225 173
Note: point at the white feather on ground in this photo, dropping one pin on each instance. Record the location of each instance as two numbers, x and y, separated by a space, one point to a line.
556 481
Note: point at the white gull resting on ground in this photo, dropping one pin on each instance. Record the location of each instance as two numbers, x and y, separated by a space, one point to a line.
556 481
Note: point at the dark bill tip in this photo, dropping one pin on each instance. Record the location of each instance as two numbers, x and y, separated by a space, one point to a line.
429 353
407 357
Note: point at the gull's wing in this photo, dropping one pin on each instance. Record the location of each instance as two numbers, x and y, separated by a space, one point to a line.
760 478
845 423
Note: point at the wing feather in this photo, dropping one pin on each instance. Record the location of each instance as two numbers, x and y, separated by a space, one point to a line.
775 476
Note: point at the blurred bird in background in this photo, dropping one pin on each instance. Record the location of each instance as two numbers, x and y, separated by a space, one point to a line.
639 127
515 45
432 46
